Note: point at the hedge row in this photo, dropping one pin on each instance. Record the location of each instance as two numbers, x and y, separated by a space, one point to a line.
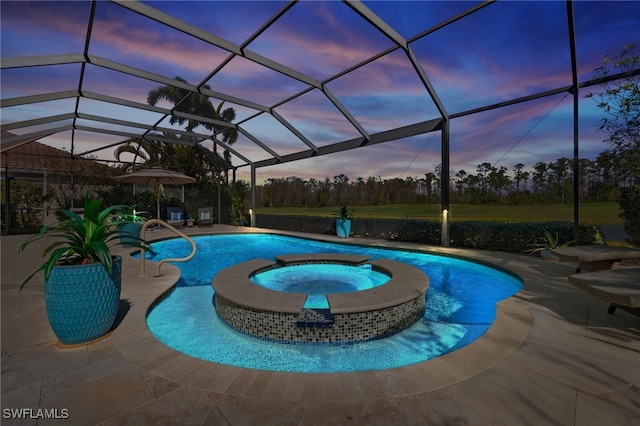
630 206
508 237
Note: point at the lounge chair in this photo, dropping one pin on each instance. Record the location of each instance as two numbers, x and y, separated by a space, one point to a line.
595 257
175 216
620 287
205 216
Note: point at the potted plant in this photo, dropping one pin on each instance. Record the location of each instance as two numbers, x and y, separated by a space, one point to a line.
130 224
552 243
82 278
343 222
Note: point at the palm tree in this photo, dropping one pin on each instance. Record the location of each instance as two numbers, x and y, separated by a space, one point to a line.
183 101
196 104
192 160
199 104
149 151
228 134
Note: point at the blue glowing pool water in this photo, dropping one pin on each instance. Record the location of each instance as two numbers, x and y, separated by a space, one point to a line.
317 280
460 307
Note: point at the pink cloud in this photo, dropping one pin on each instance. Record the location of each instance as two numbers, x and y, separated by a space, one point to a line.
145 44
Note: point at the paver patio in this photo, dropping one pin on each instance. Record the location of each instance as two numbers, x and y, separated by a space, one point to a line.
553 357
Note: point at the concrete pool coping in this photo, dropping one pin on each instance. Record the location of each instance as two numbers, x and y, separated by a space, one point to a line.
553 355
234 285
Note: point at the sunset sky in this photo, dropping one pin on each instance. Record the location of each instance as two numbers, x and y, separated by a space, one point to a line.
506 50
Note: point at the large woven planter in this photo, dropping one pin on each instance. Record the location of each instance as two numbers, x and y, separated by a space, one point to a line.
82 301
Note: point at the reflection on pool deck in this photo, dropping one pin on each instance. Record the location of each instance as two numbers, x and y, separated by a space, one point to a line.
552 356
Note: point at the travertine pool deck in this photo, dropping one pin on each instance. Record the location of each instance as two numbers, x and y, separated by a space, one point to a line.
552 357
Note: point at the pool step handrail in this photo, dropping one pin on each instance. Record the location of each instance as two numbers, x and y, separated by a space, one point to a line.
143 231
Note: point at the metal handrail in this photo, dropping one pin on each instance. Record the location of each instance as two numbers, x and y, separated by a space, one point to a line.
143 230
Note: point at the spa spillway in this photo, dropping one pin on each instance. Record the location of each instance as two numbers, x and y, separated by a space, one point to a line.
352 317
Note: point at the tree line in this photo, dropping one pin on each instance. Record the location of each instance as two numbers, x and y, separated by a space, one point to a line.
544 182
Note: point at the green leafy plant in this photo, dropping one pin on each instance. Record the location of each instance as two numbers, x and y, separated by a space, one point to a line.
553 242
343 212
236 209
630 212
26 204
129 214
83 239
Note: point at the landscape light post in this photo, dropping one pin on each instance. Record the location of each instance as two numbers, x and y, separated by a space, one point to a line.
252 210
444 183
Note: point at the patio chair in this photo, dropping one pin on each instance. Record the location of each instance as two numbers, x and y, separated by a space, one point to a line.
175 216
619 287
595 257
205 216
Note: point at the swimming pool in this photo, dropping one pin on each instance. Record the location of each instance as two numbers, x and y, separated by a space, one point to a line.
461 303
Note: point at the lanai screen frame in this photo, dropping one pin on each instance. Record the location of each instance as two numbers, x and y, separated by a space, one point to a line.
399 43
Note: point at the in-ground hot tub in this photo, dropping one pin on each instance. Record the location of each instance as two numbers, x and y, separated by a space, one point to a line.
316 280
351 317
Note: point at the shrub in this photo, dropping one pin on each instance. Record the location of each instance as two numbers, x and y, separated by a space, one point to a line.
630 213
508 237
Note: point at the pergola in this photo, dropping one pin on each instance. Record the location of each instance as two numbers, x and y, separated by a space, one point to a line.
96 93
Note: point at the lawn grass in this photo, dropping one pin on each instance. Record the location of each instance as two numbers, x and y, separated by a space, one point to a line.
590 214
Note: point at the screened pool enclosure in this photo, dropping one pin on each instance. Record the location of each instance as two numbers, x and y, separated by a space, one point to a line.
396 88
